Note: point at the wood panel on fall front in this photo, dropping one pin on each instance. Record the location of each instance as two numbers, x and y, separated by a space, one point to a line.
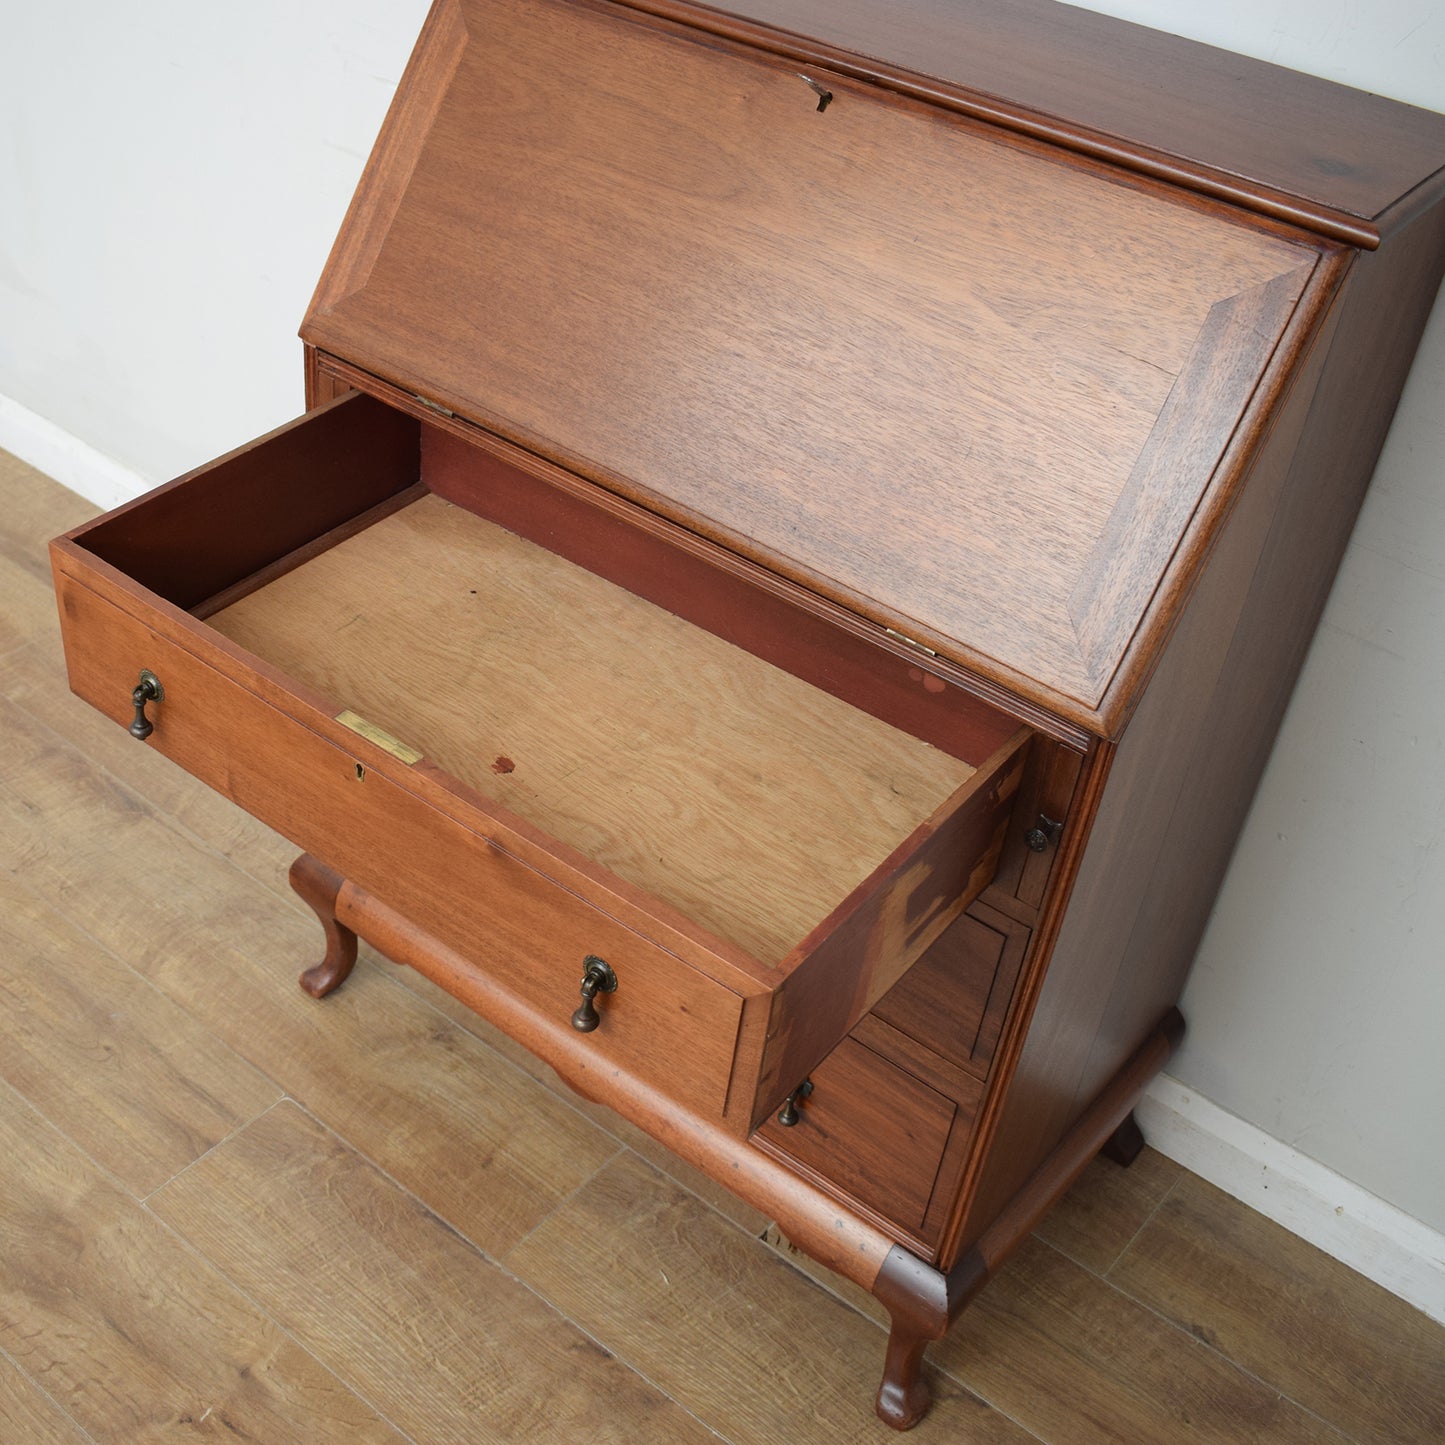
815 266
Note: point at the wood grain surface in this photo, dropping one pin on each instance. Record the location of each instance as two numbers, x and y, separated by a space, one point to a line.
141 1339
1186 770
1035 415
177 885
214 527
398 1304
715 589
28 1411
860 1100
128 1074
1100 1216
861 372
1225 123
1044 1346
1258 1294
679 1296
677 1025
506 1137
744 798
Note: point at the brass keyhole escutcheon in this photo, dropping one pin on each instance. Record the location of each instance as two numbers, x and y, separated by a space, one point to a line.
148 689
597 977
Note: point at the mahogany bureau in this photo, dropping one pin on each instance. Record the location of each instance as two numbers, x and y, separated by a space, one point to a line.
808 520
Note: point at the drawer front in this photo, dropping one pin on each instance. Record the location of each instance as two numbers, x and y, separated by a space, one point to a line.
666 1022
870 1130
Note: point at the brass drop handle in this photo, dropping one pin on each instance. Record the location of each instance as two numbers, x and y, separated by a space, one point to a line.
1044 832
148 689
597 977
788 1115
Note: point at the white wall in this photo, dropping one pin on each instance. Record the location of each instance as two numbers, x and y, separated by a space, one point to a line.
1316 1007
171 175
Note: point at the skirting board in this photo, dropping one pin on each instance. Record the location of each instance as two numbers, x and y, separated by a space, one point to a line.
1353 1226
68 460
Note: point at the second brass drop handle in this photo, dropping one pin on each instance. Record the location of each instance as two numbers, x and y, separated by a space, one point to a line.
148 689
597 977
789 1114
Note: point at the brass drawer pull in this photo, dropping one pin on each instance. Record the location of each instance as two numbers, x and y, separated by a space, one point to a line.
597 977
788 1115
148 689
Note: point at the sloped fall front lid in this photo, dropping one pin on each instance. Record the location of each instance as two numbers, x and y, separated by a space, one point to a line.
971 389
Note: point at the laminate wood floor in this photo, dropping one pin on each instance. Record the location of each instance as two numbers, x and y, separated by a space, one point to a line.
228 1211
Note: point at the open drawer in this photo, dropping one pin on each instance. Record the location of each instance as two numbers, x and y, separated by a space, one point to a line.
398 645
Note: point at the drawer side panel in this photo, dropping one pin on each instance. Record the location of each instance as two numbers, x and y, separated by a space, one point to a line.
853 960
208 530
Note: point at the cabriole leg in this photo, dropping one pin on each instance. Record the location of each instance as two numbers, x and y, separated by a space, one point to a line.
318 886
904 1395
916 1298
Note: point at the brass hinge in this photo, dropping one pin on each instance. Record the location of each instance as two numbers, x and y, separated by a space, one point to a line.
434 405
911 641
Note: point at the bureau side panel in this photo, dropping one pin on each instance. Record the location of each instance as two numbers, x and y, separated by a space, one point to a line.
1186 771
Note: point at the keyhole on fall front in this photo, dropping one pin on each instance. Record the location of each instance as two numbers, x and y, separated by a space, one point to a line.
824 95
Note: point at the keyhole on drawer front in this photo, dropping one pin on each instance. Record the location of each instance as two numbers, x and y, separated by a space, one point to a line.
360 773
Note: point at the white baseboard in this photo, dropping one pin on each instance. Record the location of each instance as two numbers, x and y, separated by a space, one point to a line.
1355 1227
52 450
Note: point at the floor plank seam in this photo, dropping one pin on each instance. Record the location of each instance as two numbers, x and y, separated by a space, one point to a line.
57 906
564 1201
429 1210
614 1354
208 1263
206 1154
989 1404
1269 1386
40 1389
1159 1204
1345 1436
109 1175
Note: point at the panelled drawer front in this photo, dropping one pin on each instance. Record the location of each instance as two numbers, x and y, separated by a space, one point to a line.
871 1130
666 1022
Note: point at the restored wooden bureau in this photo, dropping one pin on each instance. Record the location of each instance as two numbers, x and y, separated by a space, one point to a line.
807 524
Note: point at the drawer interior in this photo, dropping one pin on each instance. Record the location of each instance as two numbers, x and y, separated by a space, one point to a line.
749 800
789 795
